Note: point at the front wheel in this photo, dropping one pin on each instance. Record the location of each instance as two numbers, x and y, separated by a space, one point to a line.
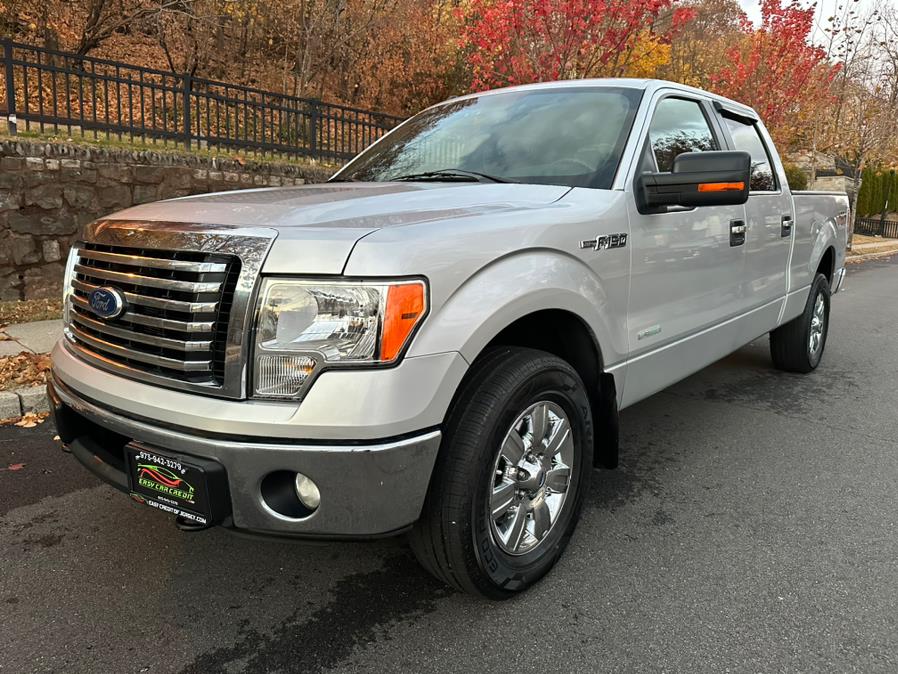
798 345
513 467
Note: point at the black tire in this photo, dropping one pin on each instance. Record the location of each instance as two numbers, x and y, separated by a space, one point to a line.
454 538
790 344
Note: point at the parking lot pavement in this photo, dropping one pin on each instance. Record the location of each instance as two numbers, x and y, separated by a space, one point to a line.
750 527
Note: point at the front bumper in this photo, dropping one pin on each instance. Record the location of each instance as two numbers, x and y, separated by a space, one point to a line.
367 489
345 404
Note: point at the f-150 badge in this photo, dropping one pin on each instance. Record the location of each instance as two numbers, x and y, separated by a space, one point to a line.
605 241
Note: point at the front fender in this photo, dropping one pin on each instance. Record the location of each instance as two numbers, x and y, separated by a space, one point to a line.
519 284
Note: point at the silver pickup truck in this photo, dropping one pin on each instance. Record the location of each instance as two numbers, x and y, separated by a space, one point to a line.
438 340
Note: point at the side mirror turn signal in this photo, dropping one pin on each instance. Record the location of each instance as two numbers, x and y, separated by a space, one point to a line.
719 178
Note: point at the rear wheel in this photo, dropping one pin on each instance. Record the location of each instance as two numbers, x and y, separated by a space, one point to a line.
798 345
513 468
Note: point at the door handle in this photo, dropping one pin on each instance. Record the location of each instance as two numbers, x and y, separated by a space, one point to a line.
786 228
737 232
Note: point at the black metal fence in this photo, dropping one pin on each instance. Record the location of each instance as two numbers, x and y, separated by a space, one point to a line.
876 227
50 89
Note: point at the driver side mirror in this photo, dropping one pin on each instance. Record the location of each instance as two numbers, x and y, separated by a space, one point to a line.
719 178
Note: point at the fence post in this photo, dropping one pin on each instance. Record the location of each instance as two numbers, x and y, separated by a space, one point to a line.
314 120
10 88
188 82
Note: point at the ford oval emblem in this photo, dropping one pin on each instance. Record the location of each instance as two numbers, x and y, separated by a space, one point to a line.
107 302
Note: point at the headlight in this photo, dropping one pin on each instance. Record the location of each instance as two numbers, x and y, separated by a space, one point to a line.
304 326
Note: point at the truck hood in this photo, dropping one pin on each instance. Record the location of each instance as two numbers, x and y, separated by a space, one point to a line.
318 225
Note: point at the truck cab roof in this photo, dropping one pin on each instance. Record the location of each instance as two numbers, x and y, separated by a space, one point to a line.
647 85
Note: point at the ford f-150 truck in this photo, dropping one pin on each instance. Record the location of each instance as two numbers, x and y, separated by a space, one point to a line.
438 340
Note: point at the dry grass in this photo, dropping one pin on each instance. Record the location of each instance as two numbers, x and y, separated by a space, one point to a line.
866 245
164 147
863 238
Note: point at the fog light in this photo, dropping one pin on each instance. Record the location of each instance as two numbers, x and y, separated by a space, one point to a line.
282 375
307 492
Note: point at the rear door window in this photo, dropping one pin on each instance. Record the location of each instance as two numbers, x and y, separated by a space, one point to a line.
747 138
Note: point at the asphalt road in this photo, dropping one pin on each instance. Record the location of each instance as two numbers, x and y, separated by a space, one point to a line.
751 527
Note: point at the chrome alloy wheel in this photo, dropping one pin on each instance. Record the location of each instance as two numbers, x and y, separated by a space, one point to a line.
530 478
818 324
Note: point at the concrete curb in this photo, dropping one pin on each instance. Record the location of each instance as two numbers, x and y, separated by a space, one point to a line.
36 337
13 404
851 259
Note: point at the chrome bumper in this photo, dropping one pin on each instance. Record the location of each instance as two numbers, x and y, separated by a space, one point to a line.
367 489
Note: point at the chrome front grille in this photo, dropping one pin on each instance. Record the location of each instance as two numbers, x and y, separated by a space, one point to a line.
189 294
178 303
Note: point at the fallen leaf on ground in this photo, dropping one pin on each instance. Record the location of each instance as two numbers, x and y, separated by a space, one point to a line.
13 467
32 419
24 369
24 311
29 420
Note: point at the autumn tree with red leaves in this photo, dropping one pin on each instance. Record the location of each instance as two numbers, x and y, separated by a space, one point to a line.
399 56
775 69
520 41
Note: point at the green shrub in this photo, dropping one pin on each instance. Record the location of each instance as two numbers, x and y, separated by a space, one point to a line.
879 192
797 179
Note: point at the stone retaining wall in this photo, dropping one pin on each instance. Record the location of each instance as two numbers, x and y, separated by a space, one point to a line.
49 190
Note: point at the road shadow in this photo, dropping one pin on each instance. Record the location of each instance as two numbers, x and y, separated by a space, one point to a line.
745 378
360 609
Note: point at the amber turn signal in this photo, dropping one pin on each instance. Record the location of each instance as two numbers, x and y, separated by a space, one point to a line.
406 305
721 187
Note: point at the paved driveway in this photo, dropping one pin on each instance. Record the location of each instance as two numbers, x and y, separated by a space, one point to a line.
752 526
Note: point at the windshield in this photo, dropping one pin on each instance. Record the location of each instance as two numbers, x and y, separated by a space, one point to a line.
573 137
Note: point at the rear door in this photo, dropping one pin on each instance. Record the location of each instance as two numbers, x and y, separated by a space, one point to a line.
769 217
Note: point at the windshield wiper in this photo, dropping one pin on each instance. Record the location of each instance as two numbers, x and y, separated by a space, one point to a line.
453 174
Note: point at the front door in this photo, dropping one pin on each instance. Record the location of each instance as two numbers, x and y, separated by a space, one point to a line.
687 264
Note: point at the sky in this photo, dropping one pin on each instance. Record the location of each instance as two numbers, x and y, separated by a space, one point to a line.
753 7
